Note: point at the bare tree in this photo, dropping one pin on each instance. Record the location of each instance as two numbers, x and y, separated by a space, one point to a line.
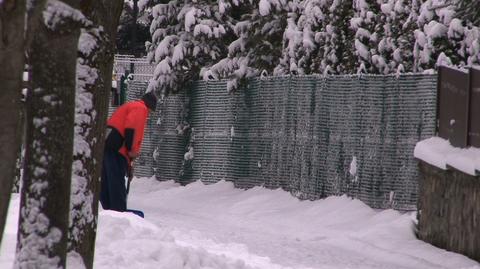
94 73
44 208
12 16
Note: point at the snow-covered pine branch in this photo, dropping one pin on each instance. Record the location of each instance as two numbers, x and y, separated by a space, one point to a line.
367 31
241 39
257 48
304 39
468 11
186 37
443 39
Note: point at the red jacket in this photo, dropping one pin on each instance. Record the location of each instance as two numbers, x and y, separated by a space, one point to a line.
130 116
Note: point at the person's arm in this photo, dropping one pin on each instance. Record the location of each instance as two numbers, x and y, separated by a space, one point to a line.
134 129
129 136
132 124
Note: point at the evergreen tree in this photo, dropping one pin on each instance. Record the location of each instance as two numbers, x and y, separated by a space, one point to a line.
292 46
367 35
468 11
305 38
431 41
388 50
124 40
186 37
471 43
402 31
338 54
257 49
464 40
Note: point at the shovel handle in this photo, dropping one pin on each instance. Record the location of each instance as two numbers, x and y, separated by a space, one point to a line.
130 177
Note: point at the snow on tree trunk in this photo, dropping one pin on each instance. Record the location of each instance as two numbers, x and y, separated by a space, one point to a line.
84 185
44 208
12 16
94 69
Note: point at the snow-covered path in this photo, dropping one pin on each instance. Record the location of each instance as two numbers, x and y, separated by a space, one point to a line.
271 229
220 227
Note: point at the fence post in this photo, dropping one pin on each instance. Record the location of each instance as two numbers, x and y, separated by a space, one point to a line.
452 105
474 117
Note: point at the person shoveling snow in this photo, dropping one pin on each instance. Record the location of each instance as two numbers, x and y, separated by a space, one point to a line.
122 145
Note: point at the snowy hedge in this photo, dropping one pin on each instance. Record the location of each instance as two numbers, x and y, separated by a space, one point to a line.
238 39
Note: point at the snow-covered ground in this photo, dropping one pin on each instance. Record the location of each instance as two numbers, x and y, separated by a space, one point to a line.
220 227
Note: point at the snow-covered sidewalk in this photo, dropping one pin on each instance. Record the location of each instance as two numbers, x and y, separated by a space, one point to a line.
218 226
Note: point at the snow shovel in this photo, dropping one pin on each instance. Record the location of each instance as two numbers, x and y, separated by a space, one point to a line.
129 180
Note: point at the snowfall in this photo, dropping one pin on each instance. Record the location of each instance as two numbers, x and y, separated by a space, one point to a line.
220 227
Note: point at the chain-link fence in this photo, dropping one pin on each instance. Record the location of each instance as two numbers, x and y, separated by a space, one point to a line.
313 136
316 136
162 148
140 68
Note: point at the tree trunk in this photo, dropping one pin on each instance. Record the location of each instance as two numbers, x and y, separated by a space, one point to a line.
93 87
84 207
44 208
12 14
19 162
134 28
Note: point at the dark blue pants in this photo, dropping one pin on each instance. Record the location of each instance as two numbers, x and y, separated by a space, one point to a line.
113 193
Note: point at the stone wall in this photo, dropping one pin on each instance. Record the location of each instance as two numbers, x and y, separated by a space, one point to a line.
449 210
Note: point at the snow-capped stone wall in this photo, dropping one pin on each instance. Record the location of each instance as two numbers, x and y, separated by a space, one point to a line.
448 204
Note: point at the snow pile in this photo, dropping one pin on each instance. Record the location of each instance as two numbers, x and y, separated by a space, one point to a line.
271 229
127 241
219 226
440 153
